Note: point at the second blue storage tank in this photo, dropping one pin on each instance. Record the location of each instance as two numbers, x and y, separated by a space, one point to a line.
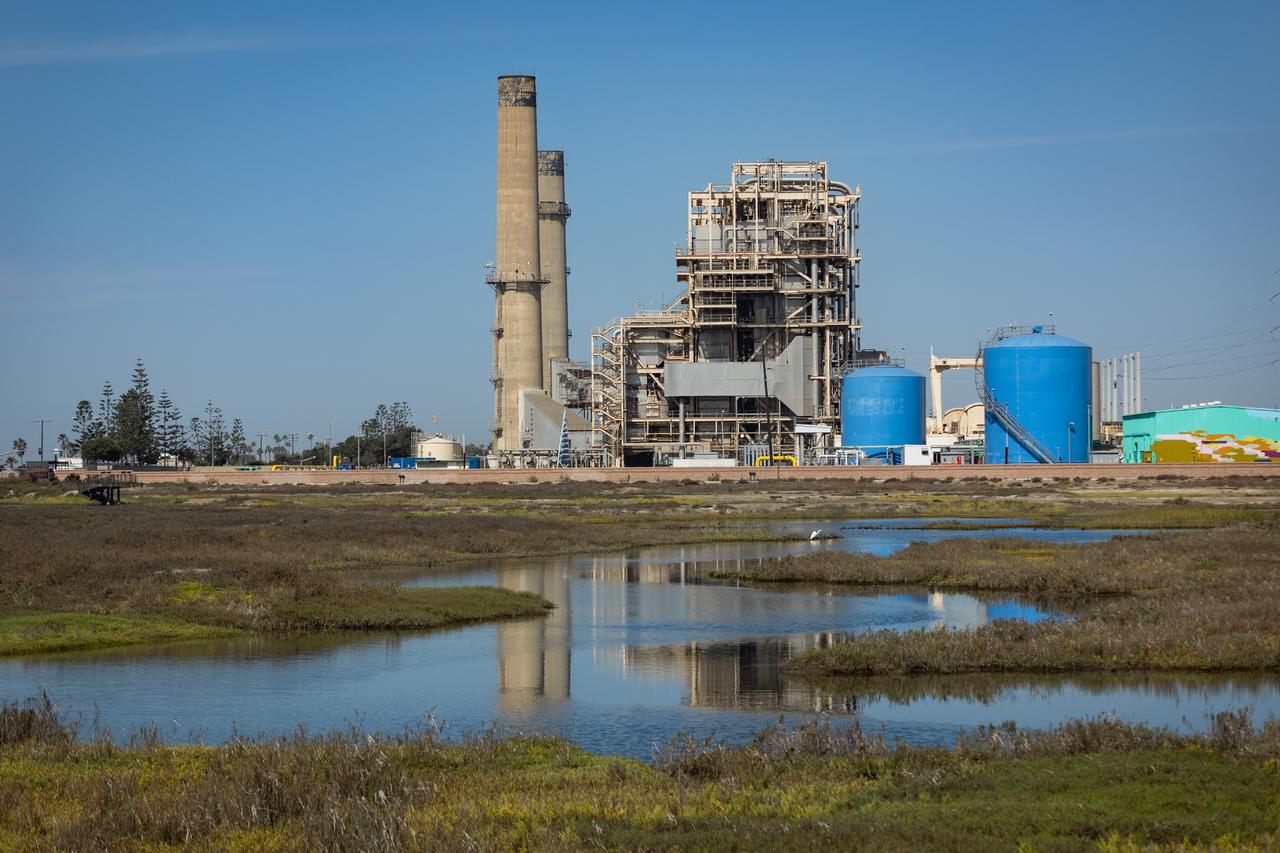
881 407
1044 381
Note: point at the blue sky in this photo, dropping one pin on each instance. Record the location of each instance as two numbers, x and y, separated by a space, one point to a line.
287 208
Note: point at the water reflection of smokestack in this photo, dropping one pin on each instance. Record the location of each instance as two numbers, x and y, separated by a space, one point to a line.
958 611
533 654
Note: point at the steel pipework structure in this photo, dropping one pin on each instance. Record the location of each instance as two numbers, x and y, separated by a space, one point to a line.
769 272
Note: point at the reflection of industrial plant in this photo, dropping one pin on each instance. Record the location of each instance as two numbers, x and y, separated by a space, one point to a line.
631 593
743 675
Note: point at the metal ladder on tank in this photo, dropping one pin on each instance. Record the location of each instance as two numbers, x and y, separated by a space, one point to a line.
1000 411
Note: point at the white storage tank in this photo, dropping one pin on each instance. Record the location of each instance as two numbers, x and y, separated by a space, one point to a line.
440 448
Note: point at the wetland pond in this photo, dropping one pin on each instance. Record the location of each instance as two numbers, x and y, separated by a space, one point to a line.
642 644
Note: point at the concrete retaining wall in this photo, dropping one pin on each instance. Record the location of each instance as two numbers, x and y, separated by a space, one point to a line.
651 475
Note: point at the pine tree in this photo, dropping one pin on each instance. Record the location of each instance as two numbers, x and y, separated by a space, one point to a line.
239 447
181 446
143 434
215 435
199 442
165 413
133 427
401 416
105 408
170 434
85 426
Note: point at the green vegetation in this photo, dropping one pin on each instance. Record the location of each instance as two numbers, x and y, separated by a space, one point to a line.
1197 600
64 632
1081 786
219 613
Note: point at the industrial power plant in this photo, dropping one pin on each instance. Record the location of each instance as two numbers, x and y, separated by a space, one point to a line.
760 359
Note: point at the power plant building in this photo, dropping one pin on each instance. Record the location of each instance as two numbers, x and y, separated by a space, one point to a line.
1209 432
751 354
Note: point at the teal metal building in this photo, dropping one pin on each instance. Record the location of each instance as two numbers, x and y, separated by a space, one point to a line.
1209 433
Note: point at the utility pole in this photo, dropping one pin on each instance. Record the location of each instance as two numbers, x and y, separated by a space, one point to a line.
384 448
42 422
208 414
261 438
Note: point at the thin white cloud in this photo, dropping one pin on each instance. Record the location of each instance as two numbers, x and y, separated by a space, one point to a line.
154 47
993 143
28 293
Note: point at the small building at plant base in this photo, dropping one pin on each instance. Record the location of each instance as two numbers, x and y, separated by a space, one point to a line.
1209 432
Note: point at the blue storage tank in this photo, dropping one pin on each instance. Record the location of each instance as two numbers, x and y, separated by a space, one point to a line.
1045 381
881 407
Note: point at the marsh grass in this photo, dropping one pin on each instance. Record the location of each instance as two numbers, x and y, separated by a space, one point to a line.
78 576
34 721
814 785
987 687
292 558
1195 600
35 633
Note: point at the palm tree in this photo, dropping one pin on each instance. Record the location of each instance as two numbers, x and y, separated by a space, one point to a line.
64 441
20 447
10 461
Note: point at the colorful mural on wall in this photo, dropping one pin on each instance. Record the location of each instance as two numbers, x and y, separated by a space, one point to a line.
1201 446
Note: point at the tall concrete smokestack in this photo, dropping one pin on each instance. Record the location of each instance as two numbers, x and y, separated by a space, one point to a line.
517 276
552 214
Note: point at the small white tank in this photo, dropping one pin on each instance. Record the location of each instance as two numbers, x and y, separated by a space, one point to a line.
440 448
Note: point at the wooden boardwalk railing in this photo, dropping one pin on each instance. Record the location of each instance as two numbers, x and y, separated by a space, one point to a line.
105 487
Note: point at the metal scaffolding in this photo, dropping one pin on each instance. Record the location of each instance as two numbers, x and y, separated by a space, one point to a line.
770 270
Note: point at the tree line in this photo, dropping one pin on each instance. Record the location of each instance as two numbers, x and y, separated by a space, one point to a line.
139 427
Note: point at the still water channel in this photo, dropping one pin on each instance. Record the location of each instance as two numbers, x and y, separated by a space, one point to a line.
642 644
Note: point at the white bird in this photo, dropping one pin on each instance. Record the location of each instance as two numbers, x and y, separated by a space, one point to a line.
814 535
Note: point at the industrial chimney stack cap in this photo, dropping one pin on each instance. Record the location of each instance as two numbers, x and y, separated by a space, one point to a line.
550 162
517 90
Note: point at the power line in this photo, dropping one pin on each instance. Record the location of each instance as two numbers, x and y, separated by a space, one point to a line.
1274 361
1192 340
1198 361
1273 300
1207 354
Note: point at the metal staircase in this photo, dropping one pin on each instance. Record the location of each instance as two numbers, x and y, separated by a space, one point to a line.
1000 411
565 458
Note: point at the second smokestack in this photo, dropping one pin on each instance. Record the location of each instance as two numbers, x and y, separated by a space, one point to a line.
552 215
